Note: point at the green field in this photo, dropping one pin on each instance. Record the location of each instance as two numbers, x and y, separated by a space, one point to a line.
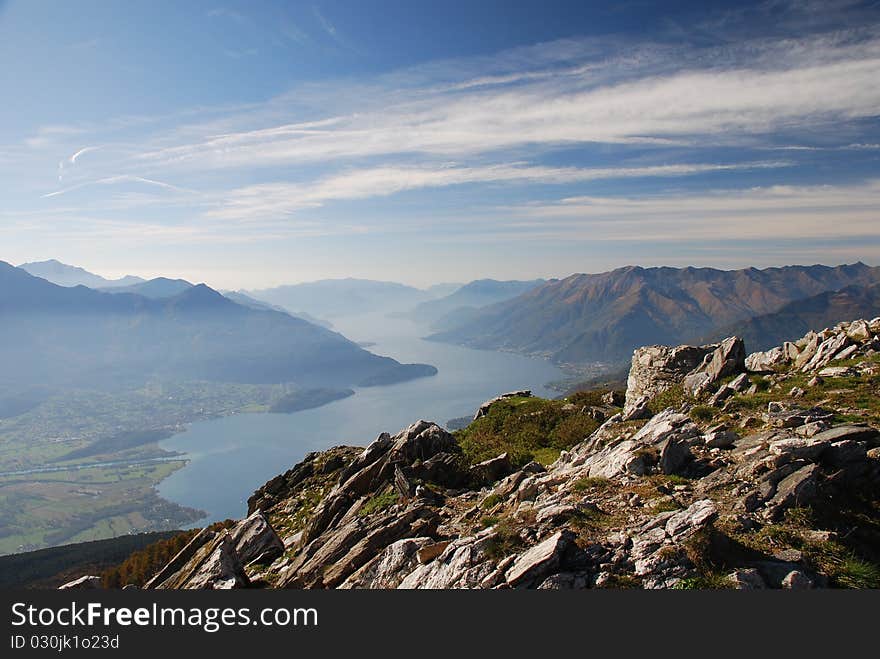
73 499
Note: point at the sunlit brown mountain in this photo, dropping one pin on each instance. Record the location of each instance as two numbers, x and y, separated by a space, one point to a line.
603 317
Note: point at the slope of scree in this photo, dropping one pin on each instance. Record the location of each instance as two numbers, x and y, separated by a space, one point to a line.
717 470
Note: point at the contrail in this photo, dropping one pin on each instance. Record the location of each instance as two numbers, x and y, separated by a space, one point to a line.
116 179
82 151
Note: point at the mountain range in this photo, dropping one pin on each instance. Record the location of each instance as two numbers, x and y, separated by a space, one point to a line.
156 289
462 302
60 336
814 313
246 300
330 298
70 275
590 318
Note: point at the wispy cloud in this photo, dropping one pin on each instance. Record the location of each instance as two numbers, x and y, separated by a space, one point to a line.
716 105
764 213
270 200
566 113
51 134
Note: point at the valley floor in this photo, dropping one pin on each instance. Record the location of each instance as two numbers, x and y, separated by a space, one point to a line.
84 465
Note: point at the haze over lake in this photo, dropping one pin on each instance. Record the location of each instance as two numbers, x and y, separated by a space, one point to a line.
232 456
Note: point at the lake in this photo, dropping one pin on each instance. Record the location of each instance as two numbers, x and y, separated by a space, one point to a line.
231 457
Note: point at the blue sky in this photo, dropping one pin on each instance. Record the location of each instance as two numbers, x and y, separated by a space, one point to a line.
259 143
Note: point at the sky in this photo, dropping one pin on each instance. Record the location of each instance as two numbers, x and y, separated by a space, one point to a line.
252 144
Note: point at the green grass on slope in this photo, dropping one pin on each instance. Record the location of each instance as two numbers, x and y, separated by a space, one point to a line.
529 429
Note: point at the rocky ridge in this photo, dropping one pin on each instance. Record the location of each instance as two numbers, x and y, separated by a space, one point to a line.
720 469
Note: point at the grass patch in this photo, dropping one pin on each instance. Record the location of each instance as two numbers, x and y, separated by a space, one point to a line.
702 413
849 562
378 502
506 539
672 397
626 581
664 506
712 581
526 429
592 398
853 572
489 520
591 484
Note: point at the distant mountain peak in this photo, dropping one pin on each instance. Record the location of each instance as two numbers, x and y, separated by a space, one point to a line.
67 275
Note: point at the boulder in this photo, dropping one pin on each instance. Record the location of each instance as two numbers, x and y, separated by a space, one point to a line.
763 362
674 455
799 448
352 541
859 331
808 351
465 563
565 581
390 567
729 358
429 552
797 580
723 393
541 560
850 432
696 516
613 399
720 438
837 372
796 489
213 566
181 558
747 579
489 471
740 383
826 352
255 541
622 458
639 409
665 425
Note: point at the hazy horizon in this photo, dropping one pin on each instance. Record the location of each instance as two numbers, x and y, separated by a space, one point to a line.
422 286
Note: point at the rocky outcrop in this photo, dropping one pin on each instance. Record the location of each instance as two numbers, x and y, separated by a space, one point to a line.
655 369
209 562
816 350
255 541
683 497
87 582
729 358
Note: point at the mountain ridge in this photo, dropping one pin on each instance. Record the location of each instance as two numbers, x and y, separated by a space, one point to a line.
67 335
469 297
587 318
63 274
